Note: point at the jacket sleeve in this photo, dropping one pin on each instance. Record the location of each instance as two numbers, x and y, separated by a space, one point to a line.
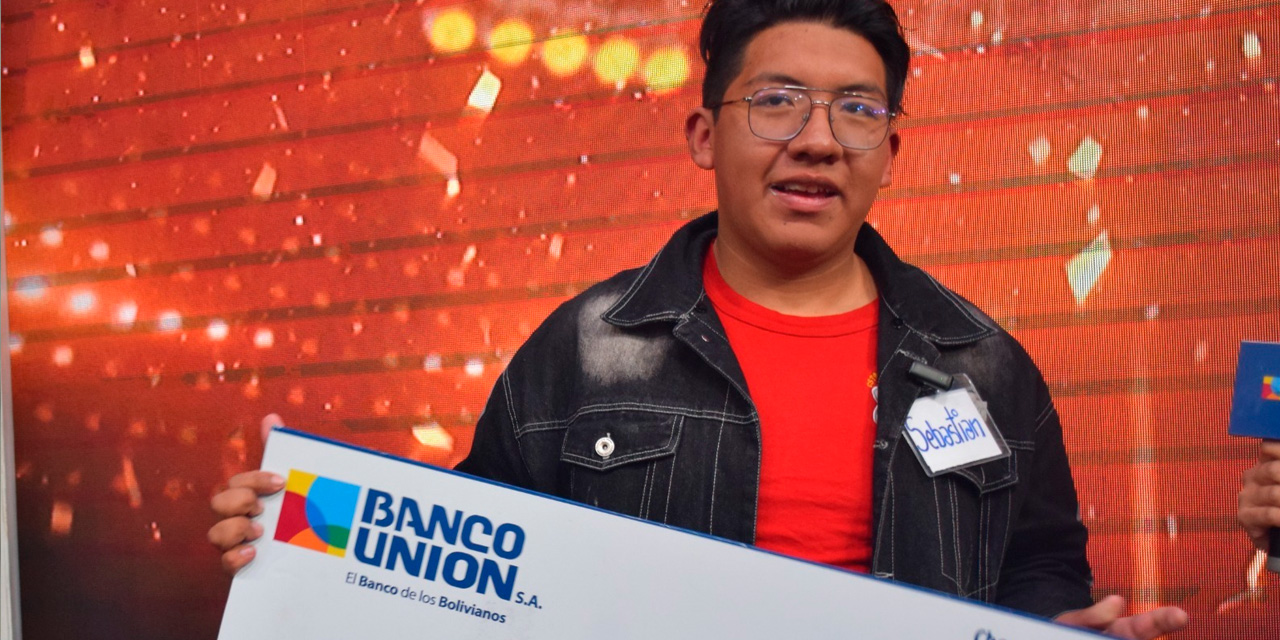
495 450
1045 570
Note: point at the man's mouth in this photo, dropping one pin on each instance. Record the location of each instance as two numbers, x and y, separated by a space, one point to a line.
807 190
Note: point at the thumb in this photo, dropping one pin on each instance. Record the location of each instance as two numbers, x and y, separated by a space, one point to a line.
268 422
1100 616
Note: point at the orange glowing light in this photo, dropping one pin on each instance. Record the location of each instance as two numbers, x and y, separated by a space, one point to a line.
616 60
666 69
130 481
60 518
63 356
265 184
264 339
51 237
218 330
452 31
510 42
564 55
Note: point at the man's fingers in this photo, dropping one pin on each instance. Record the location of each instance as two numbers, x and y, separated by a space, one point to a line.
1270 450
1266 472
1257 521
236 505
1268 495
1260 502
231 532
1260 496
1100 616
1268 516
1254 496
270 421
235 559
240 501
261 482
1105 616
1150 625
1170 619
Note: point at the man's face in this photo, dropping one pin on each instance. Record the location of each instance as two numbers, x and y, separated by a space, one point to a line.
761 185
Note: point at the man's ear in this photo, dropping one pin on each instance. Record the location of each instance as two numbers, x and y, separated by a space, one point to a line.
894 142
699 132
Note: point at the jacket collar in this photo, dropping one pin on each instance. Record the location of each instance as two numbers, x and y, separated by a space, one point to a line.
670 286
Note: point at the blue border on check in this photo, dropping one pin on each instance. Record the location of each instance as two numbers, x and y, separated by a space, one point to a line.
751 548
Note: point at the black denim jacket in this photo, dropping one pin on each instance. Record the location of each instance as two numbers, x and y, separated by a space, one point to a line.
641 360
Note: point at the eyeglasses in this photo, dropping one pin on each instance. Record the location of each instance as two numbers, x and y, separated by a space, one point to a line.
780 113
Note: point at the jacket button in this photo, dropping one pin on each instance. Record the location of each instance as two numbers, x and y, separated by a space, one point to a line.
875 393
875 415
604 446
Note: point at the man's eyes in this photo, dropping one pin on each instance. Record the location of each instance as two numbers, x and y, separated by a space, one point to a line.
849 107
860 109
777 100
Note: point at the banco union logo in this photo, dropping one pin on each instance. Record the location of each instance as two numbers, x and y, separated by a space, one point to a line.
317 513
1271 388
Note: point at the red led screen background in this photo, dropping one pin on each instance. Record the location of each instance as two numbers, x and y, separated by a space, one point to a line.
351 213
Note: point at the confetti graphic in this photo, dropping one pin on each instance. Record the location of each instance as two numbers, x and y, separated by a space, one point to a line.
353 213
1084 162
1087 266
485 94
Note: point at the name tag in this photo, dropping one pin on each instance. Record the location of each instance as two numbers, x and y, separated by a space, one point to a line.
952 430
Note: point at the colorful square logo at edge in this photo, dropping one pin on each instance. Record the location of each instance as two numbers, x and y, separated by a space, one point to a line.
1271 388
317 513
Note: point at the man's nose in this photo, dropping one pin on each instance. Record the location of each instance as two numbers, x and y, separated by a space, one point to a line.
816 140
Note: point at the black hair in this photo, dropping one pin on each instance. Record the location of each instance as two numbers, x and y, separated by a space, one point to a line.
728 26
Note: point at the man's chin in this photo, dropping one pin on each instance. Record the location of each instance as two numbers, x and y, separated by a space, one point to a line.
803 253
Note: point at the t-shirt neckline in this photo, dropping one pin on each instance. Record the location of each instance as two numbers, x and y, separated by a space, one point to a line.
730 302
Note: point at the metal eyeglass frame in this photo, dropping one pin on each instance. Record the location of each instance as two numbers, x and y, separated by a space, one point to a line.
890 115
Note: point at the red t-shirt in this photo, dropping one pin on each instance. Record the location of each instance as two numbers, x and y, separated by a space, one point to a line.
810 379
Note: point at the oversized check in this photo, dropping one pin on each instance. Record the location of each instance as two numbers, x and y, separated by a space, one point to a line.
365 545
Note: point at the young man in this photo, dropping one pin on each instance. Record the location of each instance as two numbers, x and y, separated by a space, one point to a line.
752 381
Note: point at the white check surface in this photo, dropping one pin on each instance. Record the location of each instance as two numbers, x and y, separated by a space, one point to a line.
595 575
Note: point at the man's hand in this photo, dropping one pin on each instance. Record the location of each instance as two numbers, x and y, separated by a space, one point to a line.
1260 495
1105 616
236 505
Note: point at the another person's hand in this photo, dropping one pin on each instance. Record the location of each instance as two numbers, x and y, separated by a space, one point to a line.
1107 616
236 505
1260 495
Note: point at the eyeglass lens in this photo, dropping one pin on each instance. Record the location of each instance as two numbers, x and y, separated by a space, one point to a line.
856 122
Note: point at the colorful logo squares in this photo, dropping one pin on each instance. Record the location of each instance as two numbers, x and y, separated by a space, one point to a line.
1271 388
317 513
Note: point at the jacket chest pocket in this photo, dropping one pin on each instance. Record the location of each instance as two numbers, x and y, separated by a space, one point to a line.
974 510
621 460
